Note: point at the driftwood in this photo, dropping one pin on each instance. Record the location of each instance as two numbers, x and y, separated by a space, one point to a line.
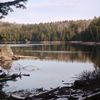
25 74
47 94
94 96
44 95
5 77
55 94
16 97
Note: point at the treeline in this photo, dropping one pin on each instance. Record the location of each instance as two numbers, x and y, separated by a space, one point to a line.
91 33
82 30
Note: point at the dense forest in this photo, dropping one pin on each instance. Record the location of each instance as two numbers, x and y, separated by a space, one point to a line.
80 30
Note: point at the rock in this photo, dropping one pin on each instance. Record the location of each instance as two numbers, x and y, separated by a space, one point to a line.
5 58
0 71
6 54
6 50
6 63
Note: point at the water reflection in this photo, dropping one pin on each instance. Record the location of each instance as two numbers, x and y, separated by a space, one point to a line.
93 54
62 52
54 64
6 65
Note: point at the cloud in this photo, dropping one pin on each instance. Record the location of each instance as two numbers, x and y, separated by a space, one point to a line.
53 10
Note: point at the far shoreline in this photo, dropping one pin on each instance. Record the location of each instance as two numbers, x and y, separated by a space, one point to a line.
89 43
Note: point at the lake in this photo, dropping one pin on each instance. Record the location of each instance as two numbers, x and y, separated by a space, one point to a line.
55 64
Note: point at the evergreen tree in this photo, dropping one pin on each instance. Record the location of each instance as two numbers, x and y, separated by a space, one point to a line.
6 7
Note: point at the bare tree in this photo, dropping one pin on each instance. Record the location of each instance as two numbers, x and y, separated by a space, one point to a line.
7 6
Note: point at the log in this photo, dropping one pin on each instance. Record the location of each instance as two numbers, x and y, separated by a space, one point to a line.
26 74
16 97
47 94
41 95
4 77
94 96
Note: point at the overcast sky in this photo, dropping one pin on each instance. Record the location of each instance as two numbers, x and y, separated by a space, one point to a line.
55 10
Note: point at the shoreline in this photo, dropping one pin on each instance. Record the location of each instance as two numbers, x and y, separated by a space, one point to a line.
54 42
85 43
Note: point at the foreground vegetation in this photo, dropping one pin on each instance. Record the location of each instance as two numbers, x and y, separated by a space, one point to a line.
80 30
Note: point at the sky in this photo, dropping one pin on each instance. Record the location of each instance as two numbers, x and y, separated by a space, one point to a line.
41 11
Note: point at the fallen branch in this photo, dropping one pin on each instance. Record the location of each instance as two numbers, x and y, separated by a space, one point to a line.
94 96
16 97
7 78
47 94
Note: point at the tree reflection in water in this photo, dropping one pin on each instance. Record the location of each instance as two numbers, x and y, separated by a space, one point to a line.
62 52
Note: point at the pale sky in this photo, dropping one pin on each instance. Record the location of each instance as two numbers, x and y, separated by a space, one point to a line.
55 10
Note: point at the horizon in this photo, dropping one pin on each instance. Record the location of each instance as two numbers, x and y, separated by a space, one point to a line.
46 11
49 21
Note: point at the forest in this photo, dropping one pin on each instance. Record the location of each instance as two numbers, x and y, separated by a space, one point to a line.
79 30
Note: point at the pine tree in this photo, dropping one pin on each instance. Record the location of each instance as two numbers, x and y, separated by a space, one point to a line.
6 7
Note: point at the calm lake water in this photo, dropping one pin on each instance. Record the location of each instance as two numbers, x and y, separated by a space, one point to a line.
55 65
